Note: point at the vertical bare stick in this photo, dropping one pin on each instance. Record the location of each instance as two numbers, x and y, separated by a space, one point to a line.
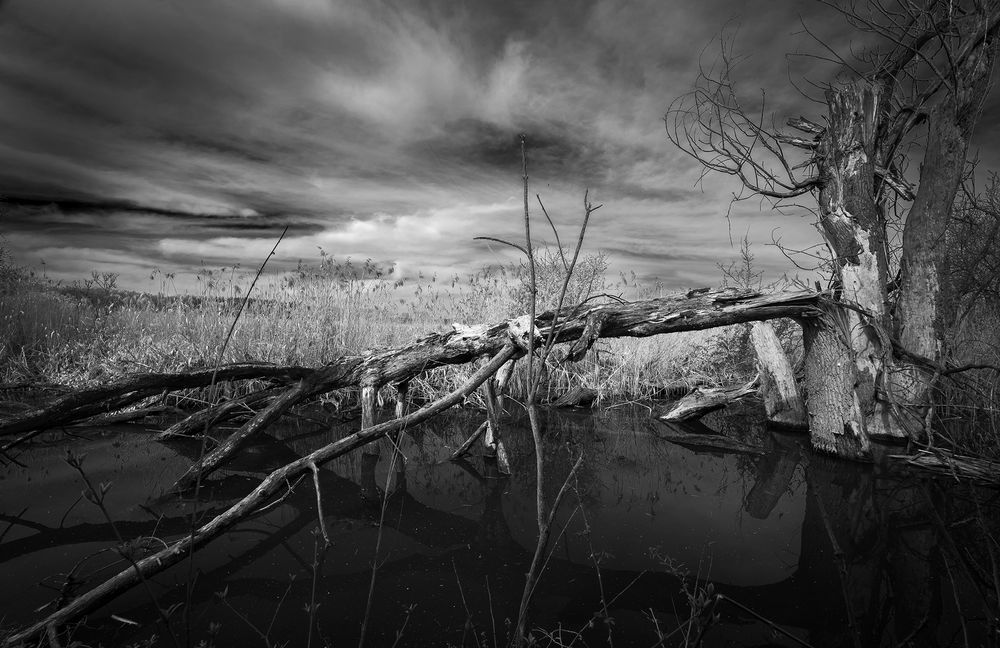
319 503
368 393
494 440
402 392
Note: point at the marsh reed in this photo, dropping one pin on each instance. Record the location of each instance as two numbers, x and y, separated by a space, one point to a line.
92 331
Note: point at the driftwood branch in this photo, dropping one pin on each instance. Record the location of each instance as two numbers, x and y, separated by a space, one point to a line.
467 445
702 401
216 414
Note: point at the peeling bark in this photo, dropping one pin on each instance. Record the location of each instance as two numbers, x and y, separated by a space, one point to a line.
843 375
836 420
702 401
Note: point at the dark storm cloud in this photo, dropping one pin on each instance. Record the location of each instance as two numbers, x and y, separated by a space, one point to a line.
164 132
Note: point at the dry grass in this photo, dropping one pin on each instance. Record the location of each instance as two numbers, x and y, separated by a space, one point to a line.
79 334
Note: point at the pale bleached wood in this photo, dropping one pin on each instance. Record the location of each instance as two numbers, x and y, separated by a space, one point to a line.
783 403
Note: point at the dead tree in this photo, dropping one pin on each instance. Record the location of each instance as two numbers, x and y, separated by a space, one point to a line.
870 359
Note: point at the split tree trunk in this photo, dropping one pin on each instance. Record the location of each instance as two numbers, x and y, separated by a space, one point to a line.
846 351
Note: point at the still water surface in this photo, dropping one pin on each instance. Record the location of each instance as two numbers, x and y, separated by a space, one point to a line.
834 553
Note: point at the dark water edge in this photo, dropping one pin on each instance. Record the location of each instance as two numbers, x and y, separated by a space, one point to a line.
834 553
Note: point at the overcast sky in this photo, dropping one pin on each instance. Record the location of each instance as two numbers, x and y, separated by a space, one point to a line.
164 133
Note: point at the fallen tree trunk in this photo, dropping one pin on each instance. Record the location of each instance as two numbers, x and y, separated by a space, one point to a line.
584 324
689 311
121 393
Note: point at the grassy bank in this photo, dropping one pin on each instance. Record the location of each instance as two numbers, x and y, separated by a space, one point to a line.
92 331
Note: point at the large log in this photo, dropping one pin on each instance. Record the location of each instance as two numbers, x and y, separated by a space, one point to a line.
783 401
702 401
694 310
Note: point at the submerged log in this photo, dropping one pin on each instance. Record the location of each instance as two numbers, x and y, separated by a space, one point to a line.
576 397
702 401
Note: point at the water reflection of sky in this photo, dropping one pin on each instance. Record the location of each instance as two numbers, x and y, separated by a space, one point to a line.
742 521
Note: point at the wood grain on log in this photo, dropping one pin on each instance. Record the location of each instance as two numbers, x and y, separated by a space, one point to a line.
702 401
783 403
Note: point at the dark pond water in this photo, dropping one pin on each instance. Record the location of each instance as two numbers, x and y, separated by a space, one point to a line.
832 553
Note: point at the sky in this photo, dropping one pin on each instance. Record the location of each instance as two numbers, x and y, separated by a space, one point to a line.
138 135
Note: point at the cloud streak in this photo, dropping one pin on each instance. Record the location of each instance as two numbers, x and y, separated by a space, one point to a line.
164 133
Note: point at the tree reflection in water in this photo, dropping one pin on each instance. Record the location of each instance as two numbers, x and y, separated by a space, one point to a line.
837 554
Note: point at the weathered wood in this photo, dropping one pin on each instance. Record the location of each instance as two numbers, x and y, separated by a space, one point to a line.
126 416
121 393
702 401
668 314
467 445
673 313
493 438
954 466
226 410
836 423
402 392
783 402
845 374
368 394
272 484
576 397
261 420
